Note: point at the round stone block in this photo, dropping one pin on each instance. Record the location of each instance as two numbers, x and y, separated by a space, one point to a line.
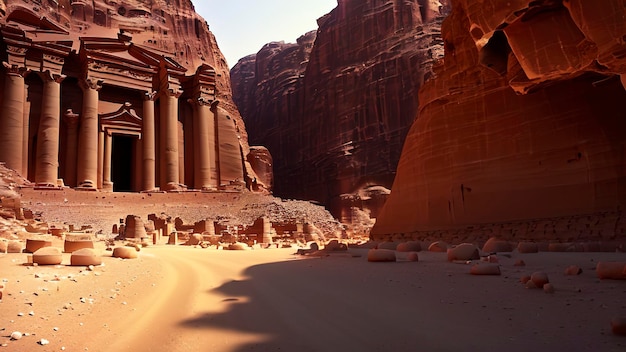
48 256
124 253
85 257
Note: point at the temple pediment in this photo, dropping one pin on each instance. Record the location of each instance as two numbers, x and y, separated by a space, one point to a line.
125 120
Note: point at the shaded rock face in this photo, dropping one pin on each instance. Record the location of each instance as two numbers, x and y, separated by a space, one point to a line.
334 108
106 58
522 121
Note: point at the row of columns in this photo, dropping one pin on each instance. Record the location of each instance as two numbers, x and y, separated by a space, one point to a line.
90 150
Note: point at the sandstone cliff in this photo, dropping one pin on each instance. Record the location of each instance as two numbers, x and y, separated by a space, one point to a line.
168 27
521 132
334 108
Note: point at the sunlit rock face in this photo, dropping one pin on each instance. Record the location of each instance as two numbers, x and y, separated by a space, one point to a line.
522 125
334 108
80 73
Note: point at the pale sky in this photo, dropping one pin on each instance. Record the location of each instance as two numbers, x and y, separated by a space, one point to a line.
242 27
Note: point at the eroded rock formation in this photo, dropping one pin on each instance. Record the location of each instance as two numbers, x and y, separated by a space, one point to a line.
124 95
521 131
334 108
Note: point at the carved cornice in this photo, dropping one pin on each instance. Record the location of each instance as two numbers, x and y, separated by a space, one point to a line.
172 92
49 76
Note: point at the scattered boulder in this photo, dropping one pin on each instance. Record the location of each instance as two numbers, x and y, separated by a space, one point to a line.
313 247
464 251
14 247
528 247
238 246
381 255
388 245
548 288
85 257
336 246
32 245
611 270
494 245
618 326
539 278
194 240
48 256
16 335
124 253
438 246
573 270
412 257
410 246
485 269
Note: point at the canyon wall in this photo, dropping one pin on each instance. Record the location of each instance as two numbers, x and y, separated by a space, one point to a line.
140 45
334 108
521 131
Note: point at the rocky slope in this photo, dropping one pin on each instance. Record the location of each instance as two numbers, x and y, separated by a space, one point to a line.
334 108
522 130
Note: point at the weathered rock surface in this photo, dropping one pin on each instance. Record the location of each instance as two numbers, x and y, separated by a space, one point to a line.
523 119
334 108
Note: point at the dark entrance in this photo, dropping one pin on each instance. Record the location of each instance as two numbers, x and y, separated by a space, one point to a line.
122 163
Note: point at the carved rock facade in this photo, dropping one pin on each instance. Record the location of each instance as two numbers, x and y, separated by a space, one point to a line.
522 128
334 108
117 95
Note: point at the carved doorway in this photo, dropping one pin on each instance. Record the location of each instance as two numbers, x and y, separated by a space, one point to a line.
122 163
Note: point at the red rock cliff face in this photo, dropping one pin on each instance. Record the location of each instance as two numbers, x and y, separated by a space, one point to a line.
170 27
524 120
334 108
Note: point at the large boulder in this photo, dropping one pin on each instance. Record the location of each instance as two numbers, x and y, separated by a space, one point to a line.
85 257
464 251
48 256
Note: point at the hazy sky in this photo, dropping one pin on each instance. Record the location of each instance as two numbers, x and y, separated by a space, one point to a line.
242 27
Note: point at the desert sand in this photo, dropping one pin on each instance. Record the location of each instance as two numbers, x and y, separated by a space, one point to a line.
181 298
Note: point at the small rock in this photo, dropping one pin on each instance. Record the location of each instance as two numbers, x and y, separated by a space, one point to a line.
412 257
548 288
381 255
485 269
520 262
43 342
16 335
573 270
539 278
618 326
464 251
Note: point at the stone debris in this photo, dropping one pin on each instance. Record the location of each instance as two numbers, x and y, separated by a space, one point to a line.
438 246
485 269
573 270
539 279
548 288
381 255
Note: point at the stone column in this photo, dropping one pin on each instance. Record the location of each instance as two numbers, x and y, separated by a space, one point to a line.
100 159
169 171
87 171
26 138
11 120
47 163
107 184
71 120
149 143
214 143
201 140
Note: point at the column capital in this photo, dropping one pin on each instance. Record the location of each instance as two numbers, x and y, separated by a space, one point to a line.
214 104
151 96
170 92
91 83
201 101
49 76
14 70
70 118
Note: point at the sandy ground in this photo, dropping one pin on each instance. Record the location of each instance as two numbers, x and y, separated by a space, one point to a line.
175 298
